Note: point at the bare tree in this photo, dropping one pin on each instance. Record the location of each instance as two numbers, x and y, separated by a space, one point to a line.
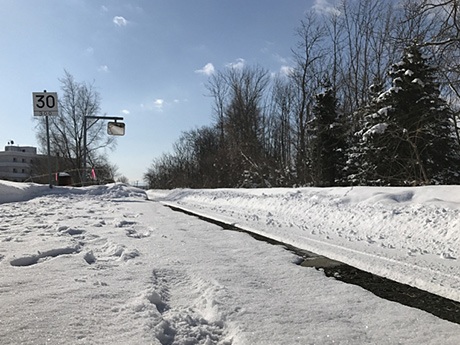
441 16
279 125
367 30
306 76
238 94
66 130
122 179
219 88
243 112
444 43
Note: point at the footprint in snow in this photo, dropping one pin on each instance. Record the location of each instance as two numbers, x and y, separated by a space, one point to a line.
66 230
111 252
178 323
123 223
41 256
447 256
135 234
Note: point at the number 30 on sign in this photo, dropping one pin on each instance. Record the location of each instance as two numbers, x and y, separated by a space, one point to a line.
45 103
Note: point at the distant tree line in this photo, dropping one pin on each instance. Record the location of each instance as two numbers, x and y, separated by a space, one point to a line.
372 98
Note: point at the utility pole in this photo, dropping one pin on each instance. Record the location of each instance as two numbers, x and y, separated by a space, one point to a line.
85 130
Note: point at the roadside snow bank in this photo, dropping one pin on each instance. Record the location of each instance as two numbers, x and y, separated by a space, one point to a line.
15 191
408 234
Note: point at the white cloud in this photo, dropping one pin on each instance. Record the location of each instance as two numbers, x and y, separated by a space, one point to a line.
238 64
125 112
208 69
103 68
286 70
325 7
159 103
104 8
120 21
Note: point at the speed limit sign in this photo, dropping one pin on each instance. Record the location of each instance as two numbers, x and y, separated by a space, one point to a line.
45 103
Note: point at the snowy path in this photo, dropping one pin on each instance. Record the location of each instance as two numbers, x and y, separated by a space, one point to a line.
410 235
109 267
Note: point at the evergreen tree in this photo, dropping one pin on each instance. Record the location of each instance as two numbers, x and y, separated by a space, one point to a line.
327 140
368 149
406 136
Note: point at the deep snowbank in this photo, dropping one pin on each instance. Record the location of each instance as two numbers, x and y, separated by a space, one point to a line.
408 234
14 191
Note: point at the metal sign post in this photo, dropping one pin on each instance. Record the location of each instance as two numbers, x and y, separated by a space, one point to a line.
46 104
120 131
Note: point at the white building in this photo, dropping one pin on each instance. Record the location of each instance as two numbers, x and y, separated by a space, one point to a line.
15 162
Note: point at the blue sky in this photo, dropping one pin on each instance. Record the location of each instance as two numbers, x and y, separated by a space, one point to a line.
148 59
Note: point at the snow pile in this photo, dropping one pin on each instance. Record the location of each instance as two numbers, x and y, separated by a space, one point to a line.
411 235
117 191
14 191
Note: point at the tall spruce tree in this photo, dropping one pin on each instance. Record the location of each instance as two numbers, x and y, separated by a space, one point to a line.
366 149
407 133
327 144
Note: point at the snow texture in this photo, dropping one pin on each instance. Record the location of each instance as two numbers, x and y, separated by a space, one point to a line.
105 265
379 128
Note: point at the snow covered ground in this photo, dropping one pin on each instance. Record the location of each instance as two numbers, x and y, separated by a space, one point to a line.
411 235
104 265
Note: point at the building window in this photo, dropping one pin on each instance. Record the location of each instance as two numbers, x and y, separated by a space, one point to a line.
23 171
23 160
14 170
14 159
